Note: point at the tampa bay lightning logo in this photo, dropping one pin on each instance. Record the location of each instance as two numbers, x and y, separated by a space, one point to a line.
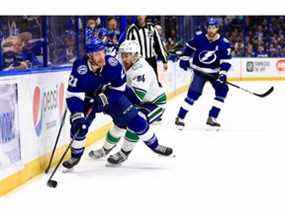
82 70
112 61
207 57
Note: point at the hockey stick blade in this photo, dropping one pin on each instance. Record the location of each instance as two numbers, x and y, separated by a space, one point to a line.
268 92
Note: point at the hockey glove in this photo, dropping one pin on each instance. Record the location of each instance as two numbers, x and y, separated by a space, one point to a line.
222 77
99 102
79 127
184 62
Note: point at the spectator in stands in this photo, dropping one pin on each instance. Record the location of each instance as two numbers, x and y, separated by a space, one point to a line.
13 57
66 53
282 52
31 48
102 34
171 41
238 49
92 28
70 46
250 51
115 37
161 33
112 25
31 24
261 52
273 51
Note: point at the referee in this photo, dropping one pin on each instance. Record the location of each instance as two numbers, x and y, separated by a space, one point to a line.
150 43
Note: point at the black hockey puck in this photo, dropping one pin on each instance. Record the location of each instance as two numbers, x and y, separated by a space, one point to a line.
52 183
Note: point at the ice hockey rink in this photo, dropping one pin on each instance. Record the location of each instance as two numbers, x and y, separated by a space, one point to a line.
237 169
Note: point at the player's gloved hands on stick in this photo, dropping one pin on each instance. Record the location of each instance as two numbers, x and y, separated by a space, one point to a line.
99 102
222 77
79 127
184 62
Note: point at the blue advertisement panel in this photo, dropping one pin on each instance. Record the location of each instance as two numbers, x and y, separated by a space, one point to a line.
10 151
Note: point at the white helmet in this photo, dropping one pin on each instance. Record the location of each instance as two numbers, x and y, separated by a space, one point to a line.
129 46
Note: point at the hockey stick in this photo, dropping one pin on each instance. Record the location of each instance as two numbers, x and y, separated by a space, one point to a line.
56 141
53 183
261 95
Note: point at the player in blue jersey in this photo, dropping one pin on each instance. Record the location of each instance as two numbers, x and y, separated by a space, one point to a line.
97 84
211 62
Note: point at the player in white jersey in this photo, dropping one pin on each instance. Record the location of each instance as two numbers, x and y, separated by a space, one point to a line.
144 92
144 89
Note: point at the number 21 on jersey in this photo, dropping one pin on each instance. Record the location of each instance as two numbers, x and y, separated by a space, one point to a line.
72 81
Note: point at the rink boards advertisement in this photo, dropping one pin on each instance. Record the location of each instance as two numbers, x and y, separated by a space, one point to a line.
10 146
258 68
31 111
32 105
241 69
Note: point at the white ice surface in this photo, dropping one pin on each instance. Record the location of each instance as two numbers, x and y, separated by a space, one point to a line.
237 169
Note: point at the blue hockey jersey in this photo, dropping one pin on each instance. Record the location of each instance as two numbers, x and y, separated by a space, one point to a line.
83 82
209 56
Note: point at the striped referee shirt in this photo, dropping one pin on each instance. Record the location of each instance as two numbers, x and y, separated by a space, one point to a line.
149 40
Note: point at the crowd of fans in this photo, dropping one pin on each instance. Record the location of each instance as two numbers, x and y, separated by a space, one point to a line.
250 36
20 48
22 37
253 36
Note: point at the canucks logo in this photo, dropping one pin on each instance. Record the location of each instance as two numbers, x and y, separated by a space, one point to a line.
207 57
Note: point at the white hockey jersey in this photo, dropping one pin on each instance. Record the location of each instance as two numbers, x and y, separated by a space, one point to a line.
142 79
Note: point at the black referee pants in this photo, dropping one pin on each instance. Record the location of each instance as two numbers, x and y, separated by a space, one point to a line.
153 63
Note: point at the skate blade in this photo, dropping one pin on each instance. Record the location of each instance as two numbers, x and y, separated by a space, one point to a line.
66 170
173 155
180 128
112 165
97 159
213 128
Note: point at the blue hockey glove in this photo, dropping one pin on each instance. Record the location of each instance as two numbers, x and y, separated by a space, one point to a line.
79 127
184 62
